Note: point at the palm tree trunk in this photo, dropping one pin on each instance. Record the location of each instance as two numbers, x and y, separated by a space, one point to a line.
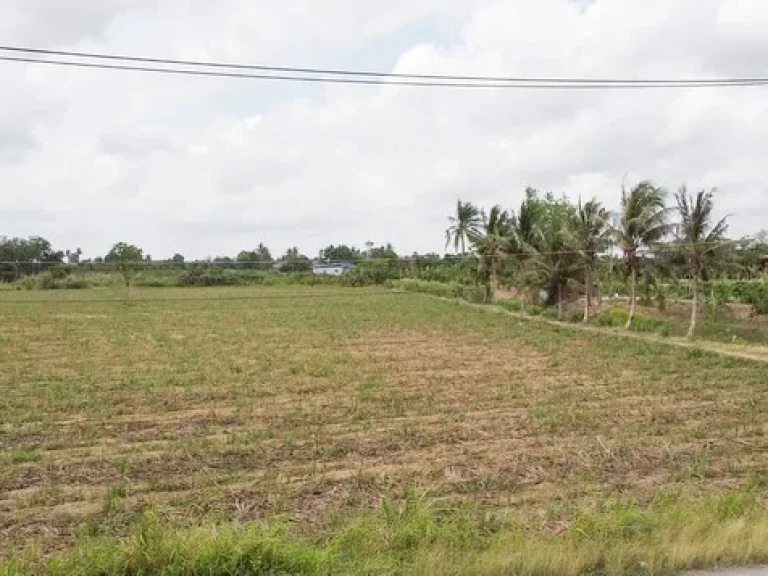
493 279
588 295
559 301
632 282
694 309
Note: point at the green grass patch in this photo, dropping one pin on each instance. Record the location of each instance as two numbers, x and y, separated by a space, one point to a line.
413 537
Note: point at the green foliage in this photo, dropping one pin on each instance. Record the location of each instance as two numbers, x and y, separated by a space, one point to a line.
473 294
754 292
575 316
535 310
613 317
34 248
340 253
259 258
215 277
293 261
123 252
617 317
382 252
549 313
377 271
127 257
511 304
464 225
411 536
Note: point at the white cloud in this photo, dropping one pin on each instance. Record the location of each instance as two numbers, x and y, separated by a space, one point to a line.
210 166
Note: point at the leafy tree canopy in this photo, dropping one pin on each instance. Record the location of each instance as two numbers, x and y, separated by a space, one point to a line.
124 252
340 253
34 248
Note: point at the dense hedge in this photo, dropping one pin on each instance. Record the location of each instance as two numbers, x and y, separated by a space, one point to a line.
753 292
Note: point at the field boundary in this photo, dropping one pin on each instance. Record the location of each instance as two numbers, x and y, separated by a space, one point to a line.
716 348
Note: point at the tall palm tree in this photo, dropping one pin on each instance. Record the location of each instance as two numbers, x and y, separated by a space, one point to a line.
465 223
591 235
490 241
556 265
699 238
526 234
643 222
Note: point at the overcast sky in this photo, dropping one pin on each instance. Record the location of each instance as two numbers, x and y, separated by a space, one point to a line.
208 166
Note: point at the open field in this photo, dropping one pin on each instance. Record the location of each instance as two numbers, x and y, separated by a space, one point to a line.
310 403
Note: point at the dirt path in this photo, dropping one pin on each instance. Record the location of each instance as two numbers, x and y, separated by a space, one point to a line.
756 353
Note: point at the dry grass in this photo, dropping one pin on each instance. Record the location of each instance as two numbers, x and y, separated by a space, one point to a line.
310 403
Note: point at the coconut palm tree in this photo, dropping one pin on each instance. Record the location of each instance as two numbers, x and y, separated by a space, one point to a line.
699 238
643 222
465 223
555 265
526 234
490 241
591 234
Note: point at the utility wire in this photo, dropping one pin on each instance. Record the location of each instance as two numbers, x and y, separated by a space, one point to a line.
374 74
386 81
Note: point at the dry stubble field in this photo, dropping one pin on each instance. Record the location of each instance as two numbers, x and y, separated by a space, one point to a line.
310 403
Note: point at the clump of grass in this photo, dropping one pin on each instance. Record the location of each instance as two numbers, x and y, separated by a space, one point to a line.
22 456
617 317
413 537
511 304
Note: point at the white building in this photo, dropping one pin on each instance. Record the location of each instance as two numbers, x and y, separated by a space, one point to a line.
332 268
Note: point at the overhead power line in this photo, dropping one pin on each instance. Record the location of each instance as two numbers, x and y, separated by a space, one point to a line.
374 74
103 61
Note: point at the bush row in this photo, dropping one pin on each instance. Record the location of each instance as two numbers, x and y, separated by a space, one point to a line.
742 291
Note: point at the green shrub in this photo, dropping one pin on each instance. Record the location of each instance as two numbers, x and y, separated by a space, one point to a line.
612 317
208 277
617 317
549 313
576 316
474 294
511 304
55 281
535 310
754 292
648 324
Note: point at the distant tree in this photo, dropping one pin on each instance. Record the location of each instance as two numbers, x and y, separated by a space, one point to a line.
643 221
263 254
177 258
293 261
245 256
127 258
590 235
700 240
32 249
383 252
555 264
74 257
527 235
260 257
464 224
340 253
491 241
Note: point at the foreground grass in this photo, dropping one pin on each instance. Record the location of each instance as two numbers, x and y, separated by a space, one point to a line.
305 405
668 536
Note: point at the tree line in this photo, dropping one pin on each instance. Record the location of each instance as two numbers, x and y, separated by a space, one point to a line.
551 246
